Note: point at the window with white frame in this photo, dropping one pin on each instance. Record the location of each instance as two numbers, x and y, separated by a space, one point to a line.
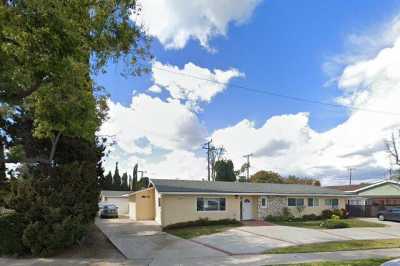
211 204
264 202
313 202
294 202
332 203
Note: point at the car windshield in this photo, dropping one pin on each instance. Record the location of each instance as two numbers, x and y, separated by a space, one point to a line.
110 206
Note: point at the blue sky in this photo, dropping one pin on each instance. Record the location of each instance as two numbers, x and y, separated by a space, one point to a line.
281 46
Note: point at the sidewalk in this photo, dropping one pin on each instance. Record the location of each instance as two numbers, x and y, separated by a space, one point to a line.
256 260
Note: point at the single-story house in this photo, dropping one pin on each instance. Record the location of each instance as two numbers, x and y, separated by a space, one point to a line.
118 198
368 199
174 201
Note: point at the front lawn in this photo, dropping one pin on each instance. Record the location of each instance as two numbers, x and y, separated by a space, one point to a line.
338 246
366 262
316 224
195 231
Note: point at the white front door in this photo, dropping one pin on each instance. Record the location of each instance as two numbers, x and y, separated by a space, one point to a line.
247 209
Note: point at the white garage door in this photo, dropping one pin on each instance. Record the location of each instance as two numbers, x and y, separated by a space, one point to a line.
121 203
132 210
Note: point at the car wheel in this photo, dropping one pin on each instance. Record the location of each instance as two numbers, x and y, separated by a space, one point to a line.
381 217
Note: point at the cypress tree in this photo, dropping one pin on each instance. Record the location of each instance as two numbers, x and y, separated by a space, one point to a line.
116 178
124 180
108 181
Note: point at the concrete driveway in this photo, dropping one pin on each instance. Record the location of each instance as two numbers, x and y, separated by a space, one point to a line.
256 239
144 242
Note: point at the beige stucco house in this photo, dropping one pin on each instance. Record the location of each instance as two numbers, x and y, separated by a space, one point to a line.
174 201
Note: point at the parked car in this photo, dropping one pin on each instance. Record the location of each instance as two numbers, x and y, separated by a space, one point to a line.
389 214
109 211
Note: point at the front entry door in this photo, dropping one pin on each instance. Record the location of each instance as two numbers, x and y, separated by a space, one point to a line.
247 209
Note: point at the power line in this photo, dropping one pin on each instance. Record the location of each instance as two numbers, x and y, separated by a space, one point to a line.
275 94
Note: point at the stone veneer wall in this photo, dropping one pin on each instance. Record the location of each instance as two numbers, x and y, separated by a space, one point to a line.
275 204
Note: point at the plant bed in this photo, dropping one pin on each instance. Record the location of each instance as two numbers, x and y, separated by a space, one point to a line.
364 262
351 223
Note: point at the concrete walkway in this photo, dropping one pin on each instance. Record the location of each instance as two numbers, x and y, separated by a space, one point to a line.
247 240
240 260
143 241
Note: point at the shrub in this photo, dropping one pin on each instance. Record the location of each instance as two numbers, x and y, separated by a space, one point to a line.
311 217
326 214
334 224
57 208
342 213
11 230
335 217
202 222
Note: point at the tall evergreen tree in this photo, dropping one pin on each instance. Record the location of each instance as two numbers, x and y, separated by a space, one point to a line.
108 184
116 178
124 182
130 183
224 171
135 178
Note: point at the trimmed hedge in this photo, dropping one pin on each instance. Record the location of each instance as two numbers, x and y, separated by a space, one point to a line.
11 230
202 222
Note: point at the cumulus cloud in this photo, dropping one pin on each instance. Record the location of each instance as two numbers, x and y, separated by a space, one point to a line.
155 89
184 84
175 22
168 125
288 145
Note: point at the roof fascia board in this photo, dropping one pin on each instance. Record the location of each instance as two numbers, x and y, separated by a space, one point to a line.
375 185
253 194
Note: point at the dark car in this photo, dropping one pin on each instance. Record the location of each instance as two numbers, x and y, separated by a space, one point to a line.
109 211
389 214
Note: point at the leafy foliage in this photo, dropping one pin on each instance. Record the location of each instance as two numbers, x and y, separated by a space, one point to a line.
224 171
11 230
273 177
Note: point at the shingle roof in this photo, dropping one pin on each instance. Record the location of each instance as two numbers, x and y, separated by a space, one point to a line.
187 186
113 193
349 187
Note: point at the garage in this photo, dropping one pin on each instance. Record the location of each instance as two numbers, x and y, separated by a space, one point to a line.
118 198
142 205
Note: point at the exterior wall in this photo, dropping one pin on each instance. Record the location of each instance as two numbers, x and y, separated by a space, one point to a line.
183 208
145 204
157 206
141 205
121 203
387 189
275 205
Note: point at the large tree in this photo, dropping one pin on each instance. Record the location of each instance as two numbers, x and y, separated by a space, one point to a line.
116 178
124 182
266 177
49 52
224 171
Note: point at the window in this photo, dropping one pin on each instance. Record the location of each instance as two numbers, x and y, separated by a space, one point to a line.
293 202
211 204
264 202
333 203
313 202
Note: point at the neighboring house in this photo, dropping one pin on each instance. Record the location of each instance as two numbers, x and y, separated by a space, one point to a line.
368 199
174 201
118 198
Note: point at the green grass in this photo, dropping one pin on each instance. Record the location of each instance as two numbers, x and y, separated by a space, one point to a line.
365 262
195 231
338 246
316 224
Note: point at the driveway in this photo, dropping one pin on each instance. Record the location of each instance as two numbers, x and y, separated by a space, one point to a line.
256 239
144 242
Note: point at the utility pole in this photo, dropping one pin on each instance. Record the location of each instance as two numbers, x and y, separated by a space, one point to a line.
207 146
248 164
350 174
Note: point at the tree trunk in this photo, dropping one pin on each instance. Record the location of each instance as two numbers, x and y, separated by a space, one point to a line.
2 163
54 143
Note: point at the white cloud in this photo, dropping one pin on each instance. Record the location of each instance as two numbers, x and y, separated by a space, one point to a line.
168 125
155 89
175 22
182 85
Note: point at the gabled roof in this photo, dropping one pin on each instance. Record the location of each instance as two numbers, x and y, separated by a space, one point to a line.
349 188
169 186
362 187
114 193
